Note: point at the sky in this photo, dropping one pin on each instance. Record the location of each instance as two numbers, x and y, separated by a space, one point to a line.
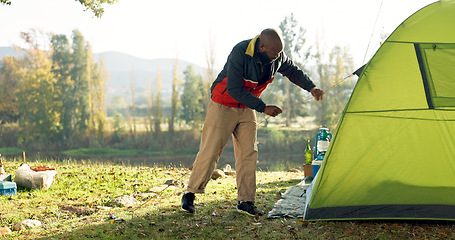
185 29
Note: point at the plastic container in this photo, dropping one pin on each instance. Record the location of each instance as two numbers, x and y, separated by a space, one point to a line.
316 165
5 177
8 188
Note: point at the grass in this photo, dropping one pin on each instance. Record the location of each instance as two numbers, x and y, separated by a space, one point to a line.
10 151
77 206
85 152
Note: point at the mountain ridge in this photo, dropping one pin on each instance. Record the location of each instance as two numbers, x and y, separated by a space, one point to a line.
123 68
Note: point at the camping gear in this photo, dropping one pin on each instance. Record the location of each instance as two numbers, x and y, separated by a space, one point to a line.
28 178
393 152
5 177
316 164
7 188
307 167
291 203
322 143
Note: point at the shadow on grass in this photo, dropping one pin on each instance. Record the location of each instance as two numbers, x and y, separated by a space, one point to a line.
215 218
211 221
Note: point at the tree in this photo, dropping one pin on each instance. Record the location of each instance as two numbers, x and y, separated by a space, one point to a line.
80 74
57 93
330 72
149 97
61 67
133 105
321 109
97 91
192 98
118 126
39 110
80 88
294 42
211 59
9 80
175 97
94 5
157 109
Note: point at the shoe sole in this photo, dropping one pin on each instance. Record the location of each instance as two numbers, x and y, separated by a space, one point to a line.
187 211
245 212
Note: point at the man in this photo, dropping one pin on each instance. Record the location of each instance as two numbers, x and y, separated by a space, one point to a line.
250 67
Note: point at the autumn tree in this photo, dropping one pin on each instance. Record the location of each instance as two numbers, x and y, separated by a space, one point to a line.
10 77
39 110
56 95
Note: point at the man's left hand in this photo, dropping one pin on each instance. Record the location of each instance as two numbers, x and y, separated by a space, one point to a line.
317 93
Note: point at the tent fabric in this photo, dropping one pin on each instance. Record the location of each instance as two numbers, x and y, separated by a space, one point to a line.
393 153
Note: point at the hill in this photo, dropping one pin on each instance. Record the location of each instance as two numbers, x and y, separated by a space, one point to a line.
8 51
123 67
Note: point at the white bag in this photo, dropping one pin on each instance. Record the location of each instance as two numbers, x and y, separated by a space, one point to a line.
26 177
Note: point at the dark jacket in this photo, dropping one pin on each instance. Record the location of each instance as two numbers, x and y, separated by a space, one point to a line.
239 84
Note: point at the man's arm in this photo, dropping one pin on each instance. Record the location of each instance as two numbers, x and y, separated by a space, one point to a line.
272 110
295 74
317 93
298 77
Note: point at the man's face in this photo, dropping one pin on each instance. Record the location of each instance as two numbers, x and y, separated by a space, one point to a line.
270 53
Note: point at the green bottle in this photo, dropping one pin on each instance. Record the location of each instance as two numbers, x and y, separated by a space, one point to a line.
308 153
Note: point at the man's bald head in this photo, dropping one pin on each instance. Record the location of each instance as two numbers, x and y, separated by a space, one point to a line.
270 43
270 37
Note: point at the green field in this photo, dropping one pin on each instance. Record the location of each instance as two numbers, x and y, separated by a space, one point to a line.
78 206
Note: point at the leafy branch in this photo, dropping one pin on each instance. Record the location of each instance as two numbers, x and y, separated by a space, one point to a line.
94 5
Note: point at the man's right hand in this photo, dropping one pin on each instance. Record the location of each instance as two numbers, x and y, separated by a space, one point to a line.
272 110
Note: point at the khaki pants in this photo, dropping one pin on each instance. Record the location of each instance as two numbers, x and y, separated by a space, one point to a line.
222 121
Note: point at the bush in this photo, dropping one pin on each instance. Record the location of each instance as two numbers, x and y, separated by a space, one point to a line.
8 134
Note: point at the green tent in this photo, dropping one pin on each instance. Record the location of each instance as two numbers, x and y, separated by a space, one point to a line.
393 153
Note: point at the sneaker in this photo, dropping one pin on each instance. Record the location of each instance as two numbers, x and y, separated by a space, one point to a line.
188 202
249 208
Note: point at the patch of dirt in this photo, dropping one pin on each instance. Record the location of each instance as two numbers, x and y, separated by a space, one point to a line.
79 211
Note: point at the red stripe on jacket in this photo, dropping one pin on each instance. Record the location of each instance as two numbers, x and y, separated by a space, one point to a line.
220 94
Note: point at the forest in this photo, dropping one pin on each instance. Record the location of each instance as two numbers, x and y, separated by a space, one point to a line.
53 98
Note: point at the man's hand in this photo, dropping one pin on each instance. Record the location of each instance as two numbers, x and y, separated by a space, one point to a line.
317 93
272 110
